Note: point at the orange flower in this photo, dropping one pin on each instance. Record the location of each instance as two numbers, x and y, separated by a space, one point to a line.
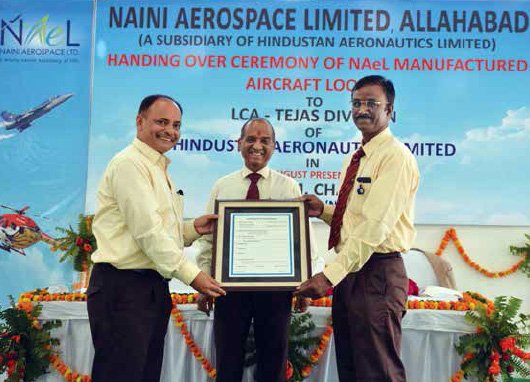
469 356
306 371
25 306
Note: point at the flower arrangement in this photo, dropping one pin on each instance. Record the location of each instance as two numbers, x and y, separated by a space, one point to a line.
300 341
496 349
78 246
26 346
525 252
317 353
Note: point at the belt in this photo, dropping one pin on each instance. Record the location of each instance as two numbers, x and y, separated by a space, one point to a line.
384 256
149 273
143 272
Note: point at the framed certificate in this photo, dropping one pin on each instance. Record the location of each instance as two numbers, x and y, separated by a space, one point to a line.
261 244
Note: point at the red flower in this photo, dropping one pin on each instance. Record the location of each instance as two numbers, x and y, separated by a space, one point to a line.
16 339
413 288
79 241
507 344
509 369
494 370
494 356
289 372
87 247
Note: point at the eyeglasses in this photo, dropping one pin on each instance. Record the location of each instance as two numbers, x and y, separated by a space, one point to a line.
369 103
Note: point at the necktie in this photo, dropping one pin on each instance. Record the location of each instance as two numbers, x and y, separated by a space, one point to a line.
253 192
340 207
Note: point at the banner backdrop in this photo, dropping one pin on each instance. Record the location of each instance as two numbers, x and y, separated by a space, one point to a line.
460 70
45 50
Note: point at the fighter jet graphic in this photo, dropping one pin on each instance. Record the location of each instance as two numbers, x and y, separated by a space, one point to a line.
22 121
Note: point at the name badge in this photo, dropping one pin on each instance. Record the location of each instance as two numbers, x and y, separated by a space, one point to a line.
364 179
361 180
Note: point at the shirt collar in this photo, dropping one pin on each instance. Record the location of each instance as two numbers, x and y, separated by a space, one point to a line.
151 154
265 172
377 141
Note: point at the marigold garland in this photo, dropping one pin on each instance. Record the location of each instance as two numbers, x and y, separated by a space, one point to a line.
68 374
450 234
42 295
470 302
188 339
205 363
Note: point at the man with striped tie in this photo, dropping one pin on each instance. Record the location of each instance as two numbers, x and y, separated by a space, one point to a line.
371 224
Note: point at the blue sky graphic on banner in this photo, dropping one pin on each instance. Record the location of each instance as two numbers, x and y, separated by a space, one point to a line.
460 71
45 50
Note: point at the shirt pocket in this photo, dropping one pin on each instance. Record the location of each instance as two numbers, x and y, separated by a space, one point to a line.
165 206
178 202
360 191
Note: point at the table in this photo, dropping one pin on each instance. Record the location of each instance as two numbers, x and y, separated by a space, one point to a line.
428 340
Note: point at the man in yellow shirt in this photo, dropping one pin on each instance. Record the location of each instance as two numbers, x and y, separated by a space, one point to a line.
269 311
371 224
141 234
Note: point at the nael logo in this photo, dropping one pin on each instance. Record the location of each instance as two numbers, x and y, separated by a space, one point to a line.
40 33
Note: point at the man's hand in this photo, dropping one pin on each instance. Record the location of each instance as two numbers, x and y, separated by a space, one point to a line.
207 285
205 224
205 304
315 205
301 304
315 287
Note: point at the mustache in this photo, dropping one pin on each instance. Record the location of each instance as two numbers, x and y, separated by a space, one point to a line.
168 136
255 151
362 116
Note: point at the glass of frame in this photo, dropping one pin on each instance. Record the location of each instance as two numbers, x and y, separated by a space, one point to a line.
261 244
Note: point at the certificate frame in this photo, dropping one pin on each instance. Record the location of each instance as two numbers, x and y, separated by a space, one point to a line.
242 256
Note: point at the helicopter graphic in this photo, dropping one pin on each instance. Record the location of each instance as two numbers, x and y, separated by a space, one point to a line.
18 231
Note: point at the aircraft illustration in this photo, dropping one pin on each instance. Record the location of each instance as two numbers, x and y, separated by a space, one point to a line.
22 121
18 231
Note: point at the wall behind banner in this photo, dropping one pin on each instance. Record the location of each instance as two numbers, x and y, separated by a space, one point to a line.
45 51
461 77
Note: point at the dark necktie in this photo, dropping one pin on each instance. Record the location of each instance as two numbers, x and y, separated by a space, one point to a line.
340 207
253 192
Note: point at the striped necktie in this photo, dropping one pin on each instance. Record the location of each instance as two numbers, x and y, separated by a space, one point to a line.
340 207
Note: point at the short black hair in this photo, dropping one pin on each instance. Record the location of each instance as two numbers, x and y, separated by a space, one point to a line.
150 99
385 83
249 121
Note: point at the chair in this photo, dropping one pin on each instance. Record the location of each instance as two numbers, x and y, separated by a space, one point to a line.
428 269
